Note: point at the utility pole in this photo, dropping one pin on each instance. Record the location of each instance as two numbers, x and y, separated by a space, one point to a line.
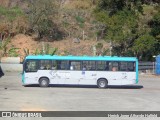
43 48
94 50
154 64
83 35
110 48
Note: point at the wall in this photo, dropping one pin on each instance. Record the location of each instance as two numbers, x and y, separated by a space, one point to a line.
11 64
6 67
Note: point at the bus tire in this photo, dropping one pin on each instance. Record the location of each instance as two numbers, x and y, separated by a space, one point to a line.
43 82
102 83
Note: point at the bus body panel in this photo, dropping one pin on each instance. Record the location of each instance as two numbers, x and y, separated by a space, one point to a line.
81 77
77 78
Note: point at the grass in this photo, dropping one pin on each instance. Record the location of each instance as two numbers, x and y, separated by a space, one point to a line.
10 13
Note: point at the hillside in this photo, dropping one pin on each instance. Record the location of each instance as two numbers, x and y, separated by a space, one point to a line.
66 46
130 28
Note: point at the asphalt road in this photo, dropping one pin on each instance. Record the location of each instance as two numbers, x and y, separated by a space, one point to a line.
143 97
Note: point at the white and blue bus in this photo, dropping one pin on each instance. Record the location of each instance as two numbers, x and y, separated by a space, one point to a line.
80 70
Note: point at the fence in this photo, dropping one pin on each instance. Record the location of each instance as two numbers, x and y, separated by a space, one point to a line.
147 67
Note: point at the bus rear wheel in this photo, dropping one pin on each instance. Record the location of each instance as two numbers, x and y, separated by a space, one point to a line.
102 83
43 82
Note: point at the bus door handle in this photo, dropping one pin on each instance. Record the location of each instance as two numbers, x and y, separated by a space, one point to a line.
67 78
114 79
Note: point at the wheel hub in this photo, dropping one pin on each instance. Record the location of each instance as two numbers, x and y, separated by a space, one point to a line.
102 84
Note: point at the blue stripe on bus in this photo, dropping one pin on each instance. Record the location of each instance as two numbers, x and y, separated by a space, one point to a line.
82 58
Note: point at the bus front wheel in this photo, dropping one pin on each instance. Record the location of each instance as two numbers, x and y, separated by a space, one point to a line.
43 82
102 83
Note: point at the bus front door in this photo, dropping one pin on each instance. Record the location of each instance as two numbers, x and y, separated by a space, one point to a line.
30 78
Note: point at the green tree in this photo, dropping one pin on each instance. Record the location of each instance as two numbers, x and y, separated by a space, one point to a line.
155 31
144 44
125 28
12 20
41 15
5 50
121 29
155 24
114 6
4 47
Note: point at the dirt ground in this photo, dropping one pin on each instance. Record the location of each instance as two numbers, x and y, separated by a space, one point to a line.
15 97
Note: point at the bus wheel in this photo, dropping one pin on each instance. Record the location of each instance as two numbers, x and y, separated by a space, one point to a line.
43 82
102 83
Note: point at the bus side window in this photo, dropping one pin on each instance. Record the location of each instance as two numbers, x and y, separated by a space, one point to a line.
84 68
123 66
62 65
72 65
131 66
92 65
113 66
114 69
75 65
45 65
101 65
89 65
110 66
42 64
107 66
54 65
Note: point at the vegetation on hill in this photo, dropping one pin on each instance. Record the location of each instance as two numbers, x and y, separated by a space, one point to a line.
132 28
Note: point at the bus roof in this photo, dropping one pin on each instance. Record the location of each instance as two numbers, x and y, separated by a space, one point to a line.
70 57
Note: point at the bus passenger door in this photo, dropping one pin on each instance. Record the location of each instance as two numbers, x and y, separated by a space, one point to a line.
73 73
88 73
31 76
88 78
72 77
